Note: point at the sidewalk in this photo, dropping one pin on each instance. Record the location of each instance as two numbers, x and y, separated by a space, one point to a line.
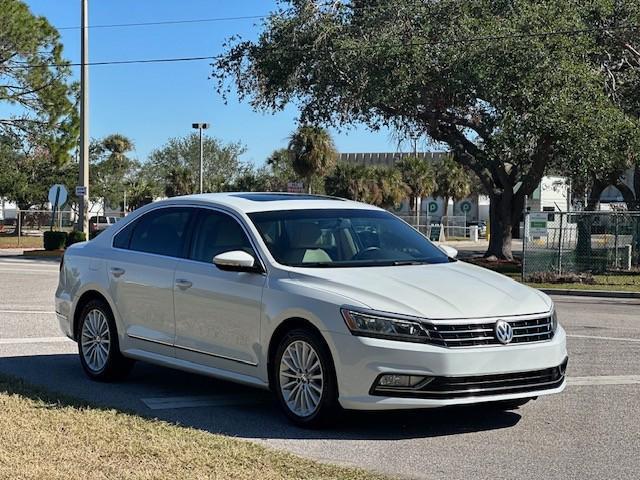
11 252
468 248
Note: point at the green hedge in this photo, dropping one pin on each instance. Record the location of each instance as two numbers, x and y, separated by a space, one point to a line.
54 240
75 237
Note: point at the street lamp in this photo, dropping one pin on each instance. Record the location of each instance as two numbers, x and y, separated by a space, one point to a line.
200 127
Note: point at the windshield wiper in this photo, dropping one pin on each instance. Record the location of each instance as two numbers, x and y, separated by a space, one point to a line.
399 263
314 264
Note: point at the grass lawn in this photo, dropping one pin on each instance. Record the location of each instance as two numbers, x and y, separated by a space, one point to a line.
11 241
613 282
619 283
45 436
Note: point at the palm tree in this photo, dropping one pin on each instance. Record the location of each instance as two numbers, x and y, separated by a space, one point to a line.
420 177
312 152
180 181
349 181
387 189
118 146
453 182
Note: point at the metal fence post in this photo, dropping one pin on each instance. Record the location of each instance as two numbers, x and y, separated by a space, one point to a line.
19 226
560 243
616 260
525 234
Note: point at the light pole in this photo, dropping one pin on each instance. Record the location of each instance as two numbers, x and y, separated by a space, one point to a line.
200 127
83 221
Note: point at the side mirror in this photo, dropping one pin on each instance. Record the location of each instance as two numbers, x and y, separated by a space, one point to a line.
236 261
449 251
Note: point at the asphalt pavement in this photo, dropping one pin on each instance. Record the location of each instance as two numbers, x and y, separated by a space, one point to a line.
591 431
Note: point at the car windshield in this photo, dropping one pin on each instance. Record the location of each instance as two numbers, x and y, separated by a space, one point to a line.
343 238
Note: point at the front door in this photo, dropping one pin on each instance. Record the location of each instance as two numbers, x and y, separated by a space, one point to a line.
217 312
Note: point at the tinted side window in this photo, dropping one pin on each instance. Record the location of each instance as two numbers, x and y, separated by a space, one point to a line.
217 233
161 232
122 239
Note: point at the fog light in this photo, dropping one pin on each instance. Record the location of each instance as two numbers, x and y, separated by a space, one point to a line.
400 381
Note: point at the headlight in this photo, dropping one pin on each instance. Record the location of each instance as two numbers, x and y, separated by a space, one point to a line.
554 321
369 325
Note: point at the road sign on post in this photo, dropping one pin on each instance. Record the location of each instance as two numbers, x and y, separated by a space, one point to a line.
58 195
295 187
57 198
81 191
538 224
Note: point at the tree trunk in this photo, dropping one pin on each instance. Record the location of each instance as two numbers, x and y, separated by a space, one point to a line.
446 206
583 245
501 228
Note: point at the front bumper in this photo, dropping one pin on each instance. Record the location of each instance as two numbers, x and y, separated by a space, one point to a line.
360 361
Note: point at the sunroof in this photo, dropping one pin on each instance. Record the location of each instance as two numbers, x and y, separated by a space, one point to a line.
278 197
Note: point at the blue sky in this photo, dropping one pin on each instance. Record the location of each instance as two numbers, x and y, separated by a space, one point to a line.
153 102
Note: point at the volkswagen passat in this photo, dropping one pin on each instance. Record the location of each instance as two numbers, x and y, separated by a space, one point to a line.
327 302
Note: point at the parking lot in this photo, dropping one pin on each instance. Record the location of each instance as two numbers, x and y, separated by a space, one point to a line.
589 431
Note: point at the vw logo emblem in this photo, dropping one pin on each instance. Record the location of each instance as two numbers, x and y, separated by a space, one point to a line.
503 331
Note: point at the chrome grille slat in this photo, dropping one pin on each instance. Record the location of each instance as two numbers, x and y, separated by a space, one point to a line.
487 391
461 335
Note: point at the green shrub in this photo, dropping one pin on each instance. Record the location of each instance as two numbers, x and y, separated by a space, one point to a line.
54 240
74 237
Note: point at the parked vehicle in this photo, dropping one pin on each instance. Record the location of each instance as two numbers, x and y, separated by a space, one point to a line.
329 303
100 223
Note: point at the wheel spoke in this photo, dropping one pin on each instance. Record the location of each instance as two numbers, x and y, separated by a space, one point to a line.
289 365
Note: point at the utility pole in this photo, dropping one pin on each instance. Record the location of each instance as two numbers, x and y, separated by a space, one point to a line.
201 127
83 181
418 200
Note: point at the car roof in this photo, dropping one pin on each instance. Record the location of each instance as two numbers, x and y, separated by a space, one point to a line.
250 202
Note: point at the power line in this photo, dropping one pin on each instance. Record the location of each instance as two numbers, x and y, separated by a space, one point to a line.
168 22
509 36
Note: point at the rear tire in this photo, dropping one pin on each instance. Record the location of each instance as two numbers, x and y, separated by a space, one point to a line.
98 344
304 379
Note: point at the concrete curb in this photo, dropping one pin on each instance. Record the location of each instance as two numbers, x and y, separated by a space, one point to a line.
590 293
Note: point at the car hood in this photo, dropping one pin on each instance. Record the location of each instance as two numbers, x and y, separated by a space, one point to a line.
438 291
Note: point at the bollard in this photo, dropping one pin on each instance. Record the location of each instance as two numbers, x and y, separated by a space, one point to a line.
473 233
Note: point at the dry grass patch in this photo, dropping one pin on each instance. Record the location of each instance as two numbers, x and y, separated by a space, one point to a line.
45 436
11 241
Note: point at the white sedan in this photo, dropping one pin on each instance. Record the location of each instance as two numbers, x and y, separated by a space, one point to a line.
329 303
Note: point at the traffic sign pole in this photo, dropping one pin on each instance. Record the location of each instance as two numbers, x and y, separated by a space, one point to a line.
55 206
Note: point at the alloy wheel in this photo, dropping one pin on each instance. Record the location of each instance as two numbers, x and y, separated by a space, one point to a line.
96 340
301 378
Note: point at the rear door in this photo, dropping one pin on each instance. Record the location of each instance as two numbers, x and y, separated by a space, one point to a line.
217 312
141 276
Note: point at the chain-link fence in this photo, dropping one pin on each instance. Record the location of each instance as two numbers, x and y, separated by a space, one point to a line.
25 224
444 228
581 242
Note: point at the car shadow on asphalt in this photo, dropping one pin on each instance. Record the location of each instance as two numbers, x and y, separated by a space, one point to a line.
255 416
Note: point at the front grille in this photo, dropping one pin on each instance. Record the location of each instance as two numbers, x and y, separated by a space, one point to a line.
457 335
443 388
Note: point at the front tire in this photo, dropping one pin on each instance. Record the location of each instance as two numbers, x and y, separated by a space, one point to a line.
98 345
304 379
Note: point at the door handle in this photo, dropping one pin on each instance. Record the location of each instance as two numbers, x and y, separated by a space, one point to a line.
183 284
117 272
